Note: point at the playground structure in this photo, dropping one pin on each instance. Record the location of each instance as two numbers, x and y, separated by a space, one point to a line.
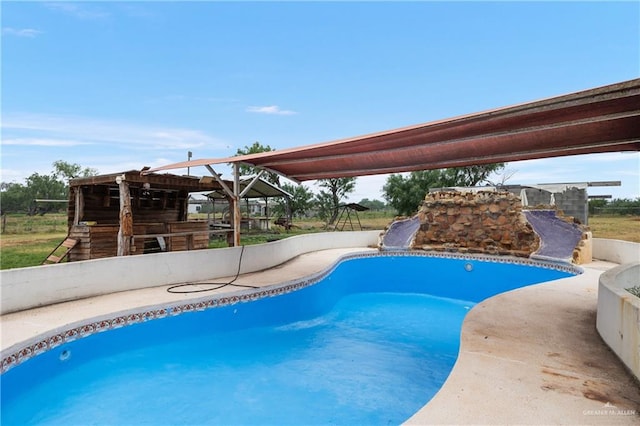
349 213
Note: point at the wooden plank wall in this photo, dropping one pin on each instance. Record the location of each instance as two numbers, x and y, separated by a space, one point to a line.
94 242
154 212
102 205
98 241
196 241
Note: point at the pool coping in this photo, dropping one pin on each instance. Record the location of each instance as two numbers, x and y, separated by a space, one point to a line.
68 321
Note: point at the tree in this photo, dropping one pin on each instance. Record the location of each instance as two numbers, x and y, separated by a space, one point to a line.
502 176
470 175
372 204
405 194
68 171
596 205
328 200
617 206
13 198
245 170
16 197
299 204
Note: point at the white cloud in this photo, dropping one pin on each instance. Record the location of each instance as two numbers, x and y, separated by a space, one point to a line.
578 168
108 146
42 129
78 11
41 142
610 157
368 187
272 109
137 11
634 173
22 32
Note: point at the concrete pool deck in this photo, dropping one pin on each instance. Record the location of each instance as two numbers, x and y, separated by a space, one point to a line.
529 356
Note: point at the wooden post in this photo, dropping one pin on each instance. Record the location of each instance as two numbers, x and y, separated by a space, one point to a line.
125 233
236 205
230 235
79 206
184 208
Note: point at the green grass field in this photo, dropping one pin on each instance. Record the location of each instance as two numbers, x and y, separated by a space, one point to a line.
28 240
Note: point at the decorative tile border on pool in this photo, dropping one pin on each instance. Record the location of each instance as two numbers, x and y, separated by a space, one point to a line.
25 350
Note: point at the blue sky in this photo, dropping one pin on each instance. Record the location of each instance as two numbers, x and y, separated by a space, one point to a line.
120 85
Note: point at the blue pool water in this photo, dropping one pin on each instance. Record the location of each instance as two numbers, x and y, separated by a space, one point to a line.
370 343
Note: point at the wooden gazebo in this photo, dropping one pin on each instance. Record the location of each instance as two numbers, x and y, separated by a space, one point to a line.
129 213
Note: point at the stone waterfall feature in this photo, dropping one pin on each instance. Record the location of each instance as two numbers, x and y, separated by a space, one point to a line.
491 222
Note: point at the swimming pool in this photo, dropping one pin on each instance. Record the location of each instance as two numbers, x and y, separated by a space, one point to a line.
369 341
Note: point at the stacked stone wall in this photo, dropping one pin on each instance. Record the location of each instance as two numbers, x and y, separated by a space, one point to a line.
476 222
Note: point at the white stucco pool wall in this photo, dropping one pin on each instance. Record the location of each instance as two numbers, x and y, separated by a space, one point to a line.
616 251
27 288
618 320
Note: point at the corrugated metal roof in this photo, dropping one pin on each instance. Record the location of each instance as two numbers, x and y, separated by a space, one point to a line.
604 119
